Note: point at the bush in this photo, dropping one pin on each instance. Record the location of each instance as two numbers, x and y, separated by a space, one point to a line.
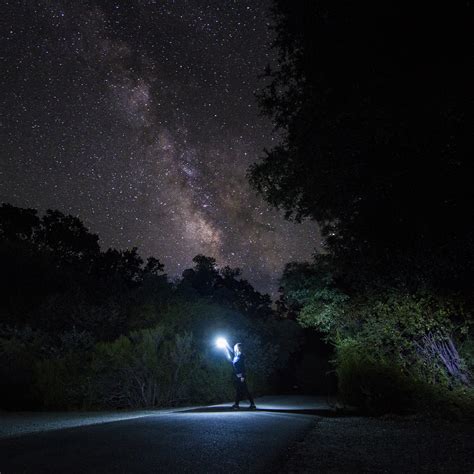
392 346
152 368
378 386
373 385
62 382
164 365
126 372
111 330
17 374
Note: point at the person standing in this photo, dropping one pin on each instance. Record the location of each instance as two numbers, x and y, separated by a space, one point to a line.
240 378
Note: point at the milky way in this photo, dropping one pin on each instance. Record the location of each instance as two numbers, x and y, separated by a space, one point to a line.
139 117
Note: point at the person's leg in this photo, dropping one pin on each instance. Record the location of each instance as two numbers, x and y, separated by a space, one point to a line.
238 394
248 394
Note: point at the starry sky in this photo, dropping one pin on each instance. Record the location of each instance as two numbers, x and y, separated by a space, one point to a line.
139 117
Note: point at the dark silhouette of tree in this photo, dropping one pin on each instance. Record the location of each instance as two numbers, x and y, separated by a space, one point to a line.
66 237
203 277
17 224
76 321
374 103
225 286
123 265
242 295
54 275
153 267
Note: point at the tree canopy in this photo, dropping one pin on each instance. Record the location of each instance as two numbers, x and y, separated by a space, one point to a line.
81 326
374 104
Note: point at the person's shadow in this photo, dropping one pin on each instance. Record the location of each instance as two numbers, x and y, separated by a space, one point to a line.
327 412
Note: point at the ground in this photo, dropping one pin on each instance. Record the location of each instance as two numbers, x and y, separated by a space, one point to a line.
384 445
285 434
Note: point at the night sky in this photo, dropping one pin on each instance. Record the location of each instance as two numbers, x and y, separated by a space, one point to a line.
138 116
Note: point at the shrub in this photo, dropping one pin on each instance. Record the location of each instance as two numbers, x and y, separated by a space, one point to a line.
126 372
379 386
371 383
391 345
62 382
152 368
17 373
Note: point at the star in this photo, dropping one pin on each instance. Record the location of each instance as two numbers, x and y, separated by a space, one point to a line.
141 120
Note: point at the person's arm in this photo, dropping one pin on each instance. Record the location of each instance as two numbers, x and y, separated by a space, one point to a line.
229 353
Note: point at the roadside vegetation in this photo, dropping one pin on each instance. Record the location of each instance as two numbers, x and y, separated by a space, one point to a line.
395 350
84 328
375 145
373 108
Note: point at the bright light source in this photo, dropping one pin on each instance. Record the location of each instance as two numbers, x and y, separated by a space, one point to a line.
221 343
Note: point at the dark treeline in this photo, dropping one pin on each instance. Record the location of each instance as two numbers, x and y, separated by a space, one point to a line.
86 328
374 103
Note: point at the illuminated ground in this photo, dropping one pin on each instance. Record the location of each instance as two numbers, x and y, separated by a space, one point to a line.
21 423
286 434
211 439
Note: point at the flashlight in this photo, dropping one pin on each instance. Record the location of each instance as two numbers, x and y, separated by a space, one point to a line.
221 343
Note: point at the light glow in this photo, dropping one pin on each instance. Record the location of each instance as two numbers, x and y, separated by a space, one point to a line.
221 343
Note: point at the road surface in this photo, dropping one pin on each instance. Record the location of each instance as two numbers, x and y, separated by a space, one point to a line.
209 439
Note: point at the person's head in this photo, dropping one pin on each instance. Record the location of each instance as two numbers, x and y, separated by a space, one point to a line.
238 348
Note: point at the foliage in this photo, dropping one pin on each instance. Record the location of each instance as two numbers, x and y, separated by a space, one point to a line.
223 286
410 331
376 148
390 343
379 160
379 386
18 355
374 145
324 309
126 371
466 350
61 382
368 382
81 327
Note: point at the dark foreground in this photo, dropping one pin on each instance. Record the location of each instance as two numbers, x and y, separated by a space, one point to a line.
285 435
384 445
